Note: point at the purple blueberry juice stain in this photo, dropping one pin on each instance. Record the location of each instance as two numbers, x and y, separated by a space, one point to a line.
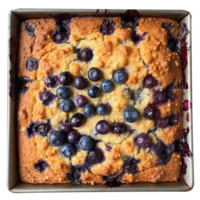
30 28
184 167
41 166
32 64
108 148
21 84
130 167
12 50
186 150
94 156
187 105
51 81
164 152
184 82
187 117
137 38
168 121
39 127
47 97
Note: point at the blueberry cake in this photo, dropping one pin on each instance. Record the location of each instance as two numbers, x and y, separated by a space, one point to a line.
100 100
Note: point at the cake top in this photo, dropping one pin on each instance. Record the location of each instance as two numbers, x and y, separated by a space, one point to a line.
107 94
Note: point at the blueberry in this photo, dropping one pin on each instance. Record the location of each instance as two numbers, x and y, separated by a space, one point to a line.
51 81
159 96
172 44
85 55
30 28
130 165
68 150
39 127
174 119
93 91
94 74
77 120
131 114
80 101
65 78
32 64
60 38
57 138
149 81
47 97
107 27
95 156
86 143
66 127
66 105
103 109
73 136
118 127
107 86
162 122
142 140
120 76
41 165
80 82
102 127
151 112
89 110
63 92
169 27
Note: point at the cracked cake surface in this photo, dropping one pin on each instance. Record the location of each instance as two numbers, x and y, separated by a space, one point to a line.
104 100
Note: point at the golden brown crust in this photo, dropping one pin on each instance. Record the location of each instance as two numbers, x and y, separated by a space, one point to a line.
110 53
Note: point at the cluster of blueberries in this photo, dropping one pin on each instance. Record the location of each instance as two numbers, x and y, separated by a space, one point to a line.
70 140
80 101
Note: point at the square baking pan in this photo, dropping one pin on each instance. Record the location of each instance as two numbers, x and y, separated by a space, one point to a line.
14 184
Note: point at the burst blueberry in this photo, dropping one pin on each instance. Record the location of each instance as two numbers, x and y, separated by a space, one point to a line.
57 138
94 74
32 64
65 78
107 27
172 44
30 28
47 97
103 109
41 165
63 92
89 110
80 101
86 143
95 156
51 81
120 76
107 86
131 114
93 91
66 105
80 82
102 127
68 150
118 127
